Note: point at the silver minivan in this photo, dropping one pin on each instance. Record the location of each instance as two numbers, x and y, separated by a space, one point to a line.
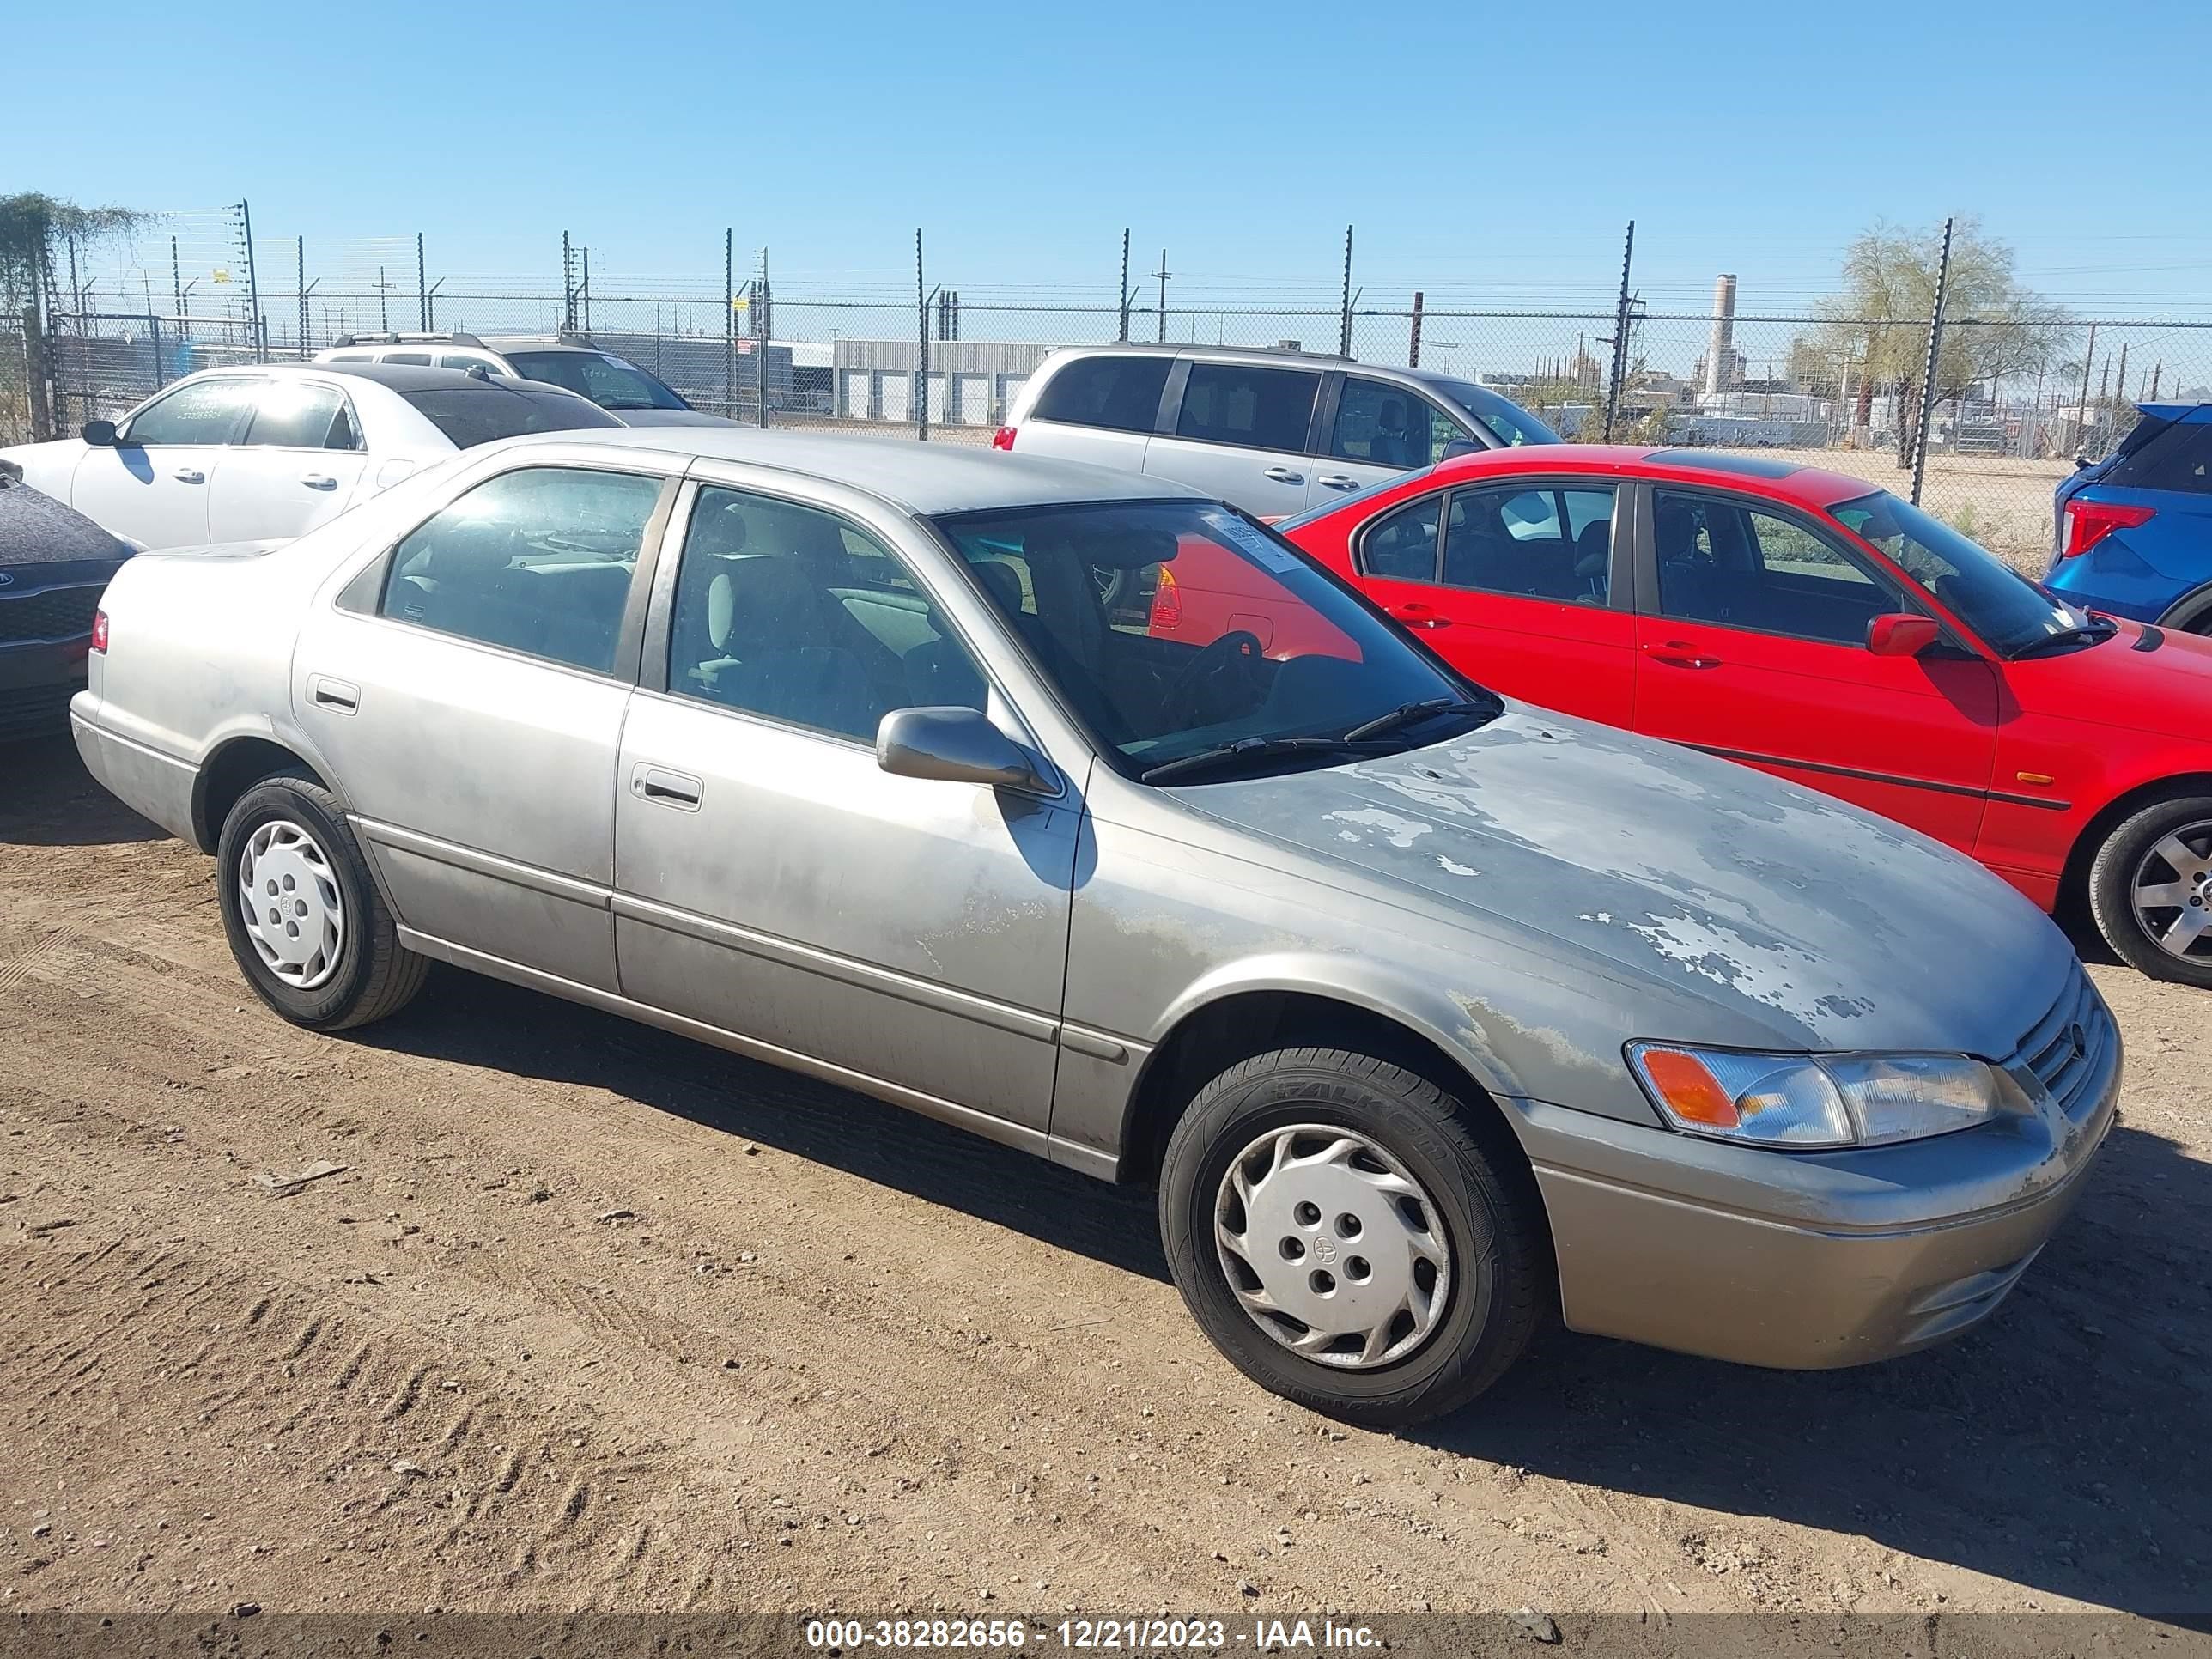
1273 432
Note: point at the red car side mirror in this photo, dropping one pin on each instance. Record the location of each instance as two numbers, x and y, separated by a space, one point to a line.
1901 633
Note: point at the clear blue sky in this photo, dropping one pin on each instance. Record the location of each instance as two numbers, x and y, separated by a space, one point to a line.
1477 147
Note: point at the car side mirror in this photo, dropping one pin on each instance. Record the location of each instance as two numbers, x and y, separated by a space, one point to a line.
1901 633
99 434
957 744
1458 447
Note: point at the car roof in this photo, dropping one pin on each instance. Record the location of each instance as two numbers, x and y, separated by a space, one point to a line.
1301 359
1773 475
926 479
2193 413
503 343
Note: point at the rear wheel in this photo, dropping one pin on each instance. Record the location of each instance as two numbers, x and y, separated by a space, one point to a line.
2150 890
1344 1235
305 922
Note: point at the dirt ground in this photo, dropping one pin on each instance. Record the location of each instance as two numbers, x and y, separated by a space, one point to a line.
595 1317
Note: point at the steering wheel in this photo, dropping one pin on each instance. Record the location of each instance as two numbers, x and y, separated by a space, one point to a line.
1238 652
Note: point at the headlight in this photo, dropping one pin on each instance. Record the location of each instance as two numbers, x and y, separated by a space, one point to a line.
1829 1100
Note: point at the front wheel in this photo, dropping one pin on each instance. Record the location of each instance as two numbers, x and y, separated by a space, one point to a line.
1341 1233
2150 890
306 923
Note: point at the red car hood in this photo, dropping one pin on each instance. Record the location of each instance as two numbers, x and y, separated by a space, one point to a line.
2167 689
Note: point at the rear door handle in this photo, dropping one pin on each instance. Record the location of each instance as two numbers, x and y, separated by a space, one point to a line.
1283 474
1680 654
318 481
339 696
1337 481
188 474
1418 616
658 784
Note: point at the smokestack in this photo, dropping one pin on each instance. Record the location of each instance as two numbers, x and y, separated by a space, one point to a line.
1722 346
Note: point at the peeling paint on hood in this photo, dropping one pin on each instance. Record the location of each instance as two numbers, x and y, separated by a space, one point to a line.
1833 928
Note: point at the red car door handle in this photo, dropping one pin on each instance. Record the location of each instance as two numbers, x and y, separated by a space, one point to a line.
1418 616
1680 654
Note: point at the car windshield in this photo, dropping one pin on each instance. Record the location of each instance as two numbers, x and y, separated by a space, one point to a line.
473 415
1176 628
2008 612
1502 418
607 381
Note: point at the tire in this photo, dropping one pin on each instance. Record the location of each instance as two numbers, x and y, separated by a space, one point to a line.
1481 1203
309 855
2128 864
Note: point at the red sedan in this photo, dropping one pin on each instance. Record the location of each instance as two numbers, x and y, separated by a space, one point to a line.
1820 628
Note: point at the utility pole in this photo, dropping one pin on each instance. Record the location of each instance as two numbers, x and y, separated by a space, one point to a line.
1928 369
383 310
1413 342
1163 274
1124 289
1620 335
568 283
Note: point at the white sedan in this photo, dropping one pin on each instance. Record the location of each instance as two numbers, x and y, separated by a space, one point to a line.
268 450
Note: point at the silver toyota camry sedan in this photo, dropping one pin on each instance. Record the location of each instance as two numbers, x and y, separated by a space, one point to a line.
1433 1015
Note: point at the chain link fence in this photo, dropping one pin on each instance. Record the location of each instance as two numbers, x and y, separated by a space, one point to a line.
2012 402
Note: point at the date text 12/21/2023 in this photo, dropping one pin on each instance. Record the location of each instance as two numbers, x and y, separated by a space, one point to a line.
1102 1635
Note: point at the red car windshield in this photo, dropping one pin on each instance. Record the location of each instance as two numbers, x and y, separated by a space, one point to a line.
2009 613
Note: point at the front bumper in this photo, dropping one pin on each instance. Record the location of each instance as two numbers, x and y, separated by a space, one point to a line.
1807 1261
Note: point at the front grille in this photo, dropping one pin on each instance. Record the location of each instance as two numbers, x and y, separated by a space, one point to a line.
2067 1049
57 613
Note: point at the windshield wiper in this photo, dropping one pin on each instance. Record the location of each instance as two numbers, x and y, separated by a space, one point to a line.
2095 631
1245 749
1412 714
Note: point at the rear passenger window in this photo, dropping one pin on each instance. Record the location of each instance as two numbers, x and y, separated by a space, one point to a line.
1123 393
537 561
1402 545
1254 407
289 416
791 613
1540 543
413 359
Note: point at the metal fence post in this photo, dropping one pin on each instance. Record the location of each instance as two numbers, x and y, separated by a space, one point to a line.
1162 273
1620 337
1344 332
921 321
254 318
730 324
1413 338
568 284
300 282
421 287
764 329
1928 367
1125 289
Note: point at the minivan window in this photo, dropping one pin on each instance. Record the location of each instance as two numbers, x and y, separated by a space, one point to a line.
1248 405
1386 425
1502 418
1120 393
473 415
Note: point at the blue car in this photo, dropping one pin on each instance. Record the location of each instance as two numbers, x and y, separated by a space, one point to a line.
2135 530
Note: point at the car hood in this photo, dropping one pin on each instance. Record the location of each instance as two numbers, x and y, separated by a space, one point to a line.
2166 690
669 418
36 529
221 550
1825 925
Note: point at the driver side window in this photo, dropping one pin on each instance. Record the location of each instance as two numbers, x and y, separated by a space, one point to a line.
199 412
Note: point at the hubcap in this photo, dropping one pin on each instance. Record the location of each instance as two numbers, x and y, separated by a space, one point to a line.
1331 1247
2172 893
287 898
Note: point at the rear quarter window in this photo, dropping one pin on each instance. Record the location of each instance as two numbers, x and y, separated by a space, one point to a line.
2180 457
1123 393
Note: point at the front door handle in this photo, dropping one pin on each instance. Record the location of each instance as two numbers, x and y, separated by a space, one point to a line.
1285 475
1417 615
1680 654
318 481
339 696
1337 481
667 788
188 474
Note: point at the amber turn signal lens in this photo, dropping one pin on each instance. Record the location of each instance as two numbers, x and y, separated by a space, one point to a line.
1691 1091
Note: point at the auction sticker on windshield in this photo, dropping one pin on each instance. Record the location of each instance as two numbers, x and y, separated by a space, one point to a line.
1267 552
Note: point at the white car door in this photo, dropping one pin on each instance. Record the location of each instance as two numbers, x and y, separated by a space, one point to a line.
1241 433
151 484
297 466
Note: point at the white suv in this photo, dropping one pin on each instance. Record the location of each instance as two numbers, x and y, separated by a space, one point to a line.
571 361
1274 432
